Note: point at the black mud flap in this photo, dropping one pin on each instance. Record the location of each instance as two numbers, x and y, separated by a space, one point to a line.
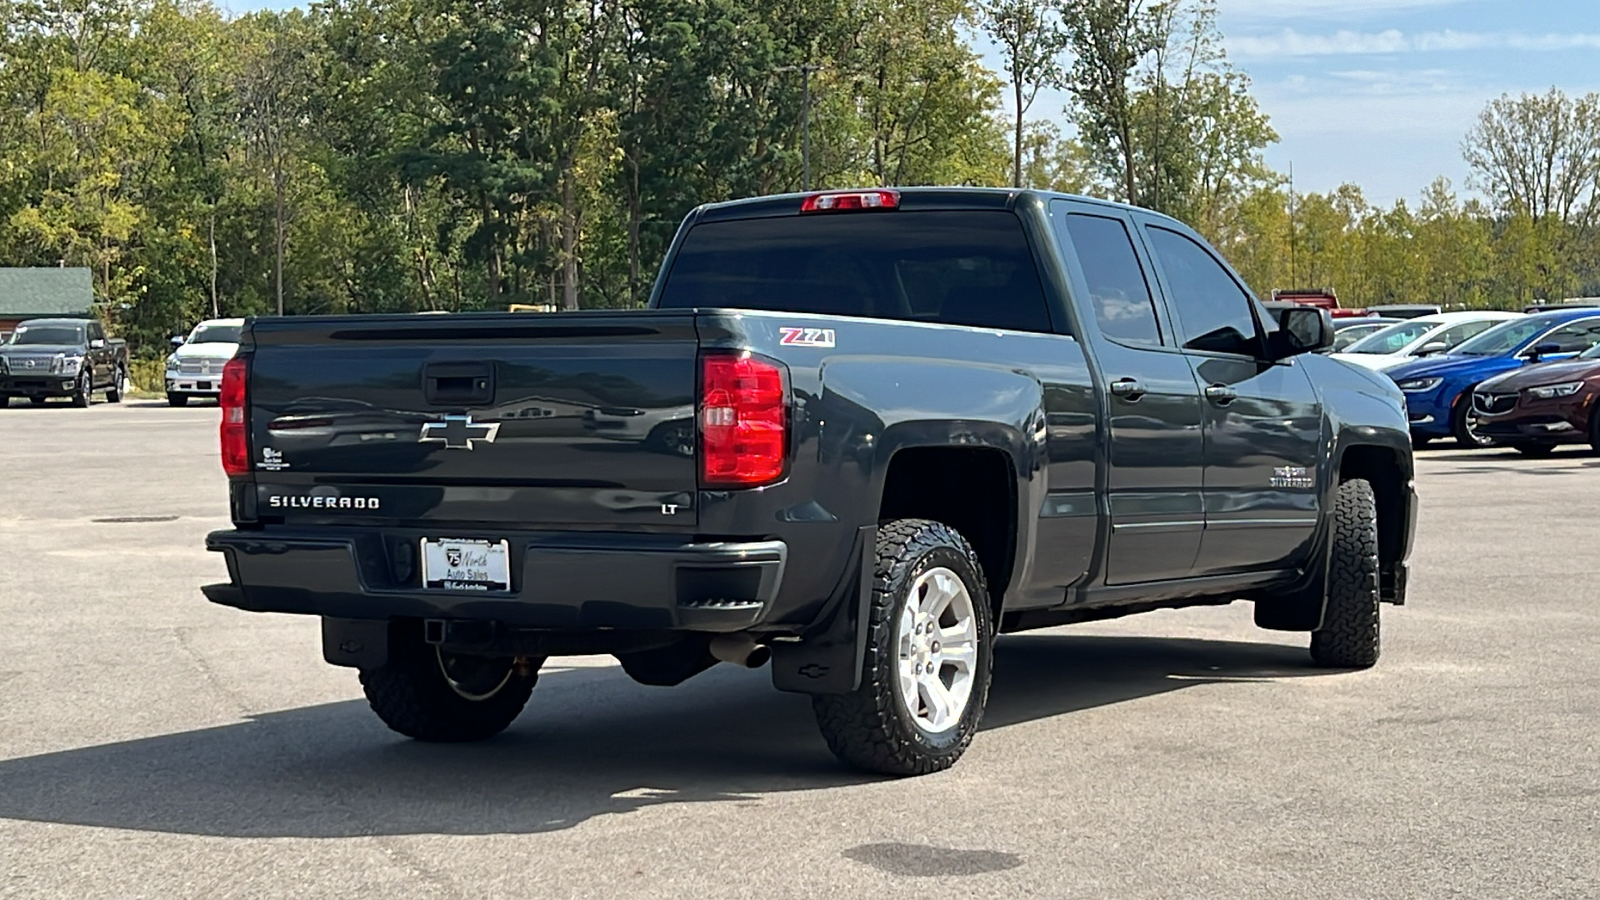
1300 607
355 643
829 659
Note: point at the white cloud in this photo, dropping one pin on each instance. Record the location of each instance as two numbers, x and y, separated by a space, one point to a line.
1324 9
1292 43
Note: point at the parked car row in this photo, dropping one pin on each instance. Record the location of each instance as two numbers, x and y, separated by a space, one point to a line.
1528 381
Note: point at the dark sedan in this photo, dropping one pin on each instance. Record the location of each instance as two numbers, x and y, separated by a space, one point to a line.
1536 408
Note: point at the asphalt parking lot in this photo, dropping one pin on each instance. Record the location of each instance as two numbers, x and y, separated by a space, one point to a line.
153 745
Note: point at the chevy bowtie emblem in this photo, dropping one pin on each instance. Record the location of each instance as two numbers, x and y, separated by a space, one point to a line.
459 432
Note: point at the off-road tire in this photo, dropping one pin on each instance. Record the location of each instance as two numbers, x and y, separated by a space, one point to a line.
177 399
1535 449
1458 423
83 394
1349 637
871 728
411 695
114 394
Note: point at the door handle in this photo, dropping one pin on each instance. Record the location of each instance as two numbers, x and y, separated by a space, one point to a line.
1221 394
1129 389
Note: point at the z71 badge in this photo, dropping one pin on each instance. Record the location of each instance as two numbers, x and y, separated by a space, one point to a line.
806 337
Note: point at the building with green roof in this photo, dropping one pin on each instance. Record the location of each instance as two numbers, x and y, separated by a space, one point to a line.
34 293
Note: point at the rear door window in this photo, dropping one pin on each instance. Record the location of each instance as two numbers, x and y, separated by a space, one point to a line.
1123 305
957 268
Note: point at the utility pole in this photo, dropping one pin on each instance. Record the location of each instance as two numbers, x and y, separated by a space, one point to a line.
805 70
1292 282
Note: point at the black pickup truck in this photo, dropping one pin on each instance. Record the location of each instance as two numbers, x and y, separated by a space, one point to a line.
69 358
906 422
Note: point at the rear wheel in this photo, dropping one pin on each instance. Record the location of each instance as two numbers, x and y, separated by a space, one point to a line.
1349 636
430 695
1594 428
177 400
1535 449
1418 442
926 676
119 387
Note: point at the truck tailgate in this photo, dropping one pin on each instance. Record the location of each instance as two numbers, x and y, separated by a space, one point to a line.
582 420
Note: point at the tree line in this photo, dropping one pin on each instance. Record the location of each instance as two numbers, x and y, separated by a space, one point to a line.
405 155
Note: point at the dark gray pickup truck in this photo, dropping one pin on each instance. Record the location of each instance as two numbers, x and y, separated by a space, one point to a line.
856 433
69 358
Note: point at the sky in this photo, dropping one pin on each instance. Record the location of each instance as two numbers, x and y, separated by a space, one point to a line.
1380 93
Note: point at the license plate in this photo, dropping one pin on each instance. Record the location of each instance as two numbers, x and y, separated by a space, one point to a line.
451 564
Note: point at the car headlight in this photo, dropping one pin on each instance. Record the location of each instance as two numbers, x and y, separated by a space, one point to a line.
68 365
172 364
1420 385
1552 391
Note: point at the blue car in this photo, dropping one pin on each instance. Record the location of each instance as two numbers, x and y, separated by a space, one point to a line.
1438 389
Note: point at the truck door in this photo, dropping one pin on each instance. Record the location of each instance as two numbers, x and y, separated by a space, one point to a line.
1154 409
1263 421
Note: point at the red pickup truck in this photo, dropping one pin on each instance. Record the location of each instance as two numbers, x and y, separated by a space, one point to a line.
1322 298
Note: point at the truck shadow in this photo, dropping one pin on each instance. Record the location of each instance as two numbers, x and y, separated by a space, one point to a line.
591 744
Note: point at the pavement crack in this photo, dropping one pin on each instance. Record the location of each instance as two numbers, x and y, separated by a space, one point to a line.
185 639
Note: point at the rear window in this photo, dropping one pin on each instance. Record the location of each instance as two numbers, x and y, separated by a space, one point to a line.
955 268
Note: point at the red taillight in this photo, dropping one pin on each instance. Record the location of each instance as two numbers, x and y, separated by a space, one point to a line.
235 438
744 421
842 201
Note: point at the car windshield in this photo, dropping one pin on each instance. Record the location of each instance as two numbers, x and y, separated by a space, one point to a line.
1392 339
48 334
1503 339
215 334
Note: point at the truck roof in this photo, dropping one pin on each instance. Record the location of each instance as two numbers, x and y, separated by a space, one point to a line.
58 320
911 198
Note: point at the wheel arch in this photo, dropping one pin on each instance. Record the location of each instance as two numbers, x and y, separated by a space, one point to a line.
1386 469
973 489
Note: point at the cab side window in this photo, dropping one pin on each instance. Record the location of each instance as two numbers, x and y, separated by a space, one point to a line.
1215 315
1118 289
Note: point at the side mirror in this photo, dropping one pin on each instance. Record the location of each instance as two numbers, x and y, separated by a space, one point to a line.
177 340
1301 329
1542 350
1432 347
97 344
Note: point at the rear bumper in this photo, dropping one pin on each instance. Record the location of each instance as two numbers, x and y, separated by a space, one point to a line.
567 582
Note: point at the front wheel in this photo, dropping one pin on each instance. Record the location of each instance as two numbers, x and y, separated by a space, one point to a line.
1464 426
926 675
425 693
84 394
177 400
1535 450
1349 637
